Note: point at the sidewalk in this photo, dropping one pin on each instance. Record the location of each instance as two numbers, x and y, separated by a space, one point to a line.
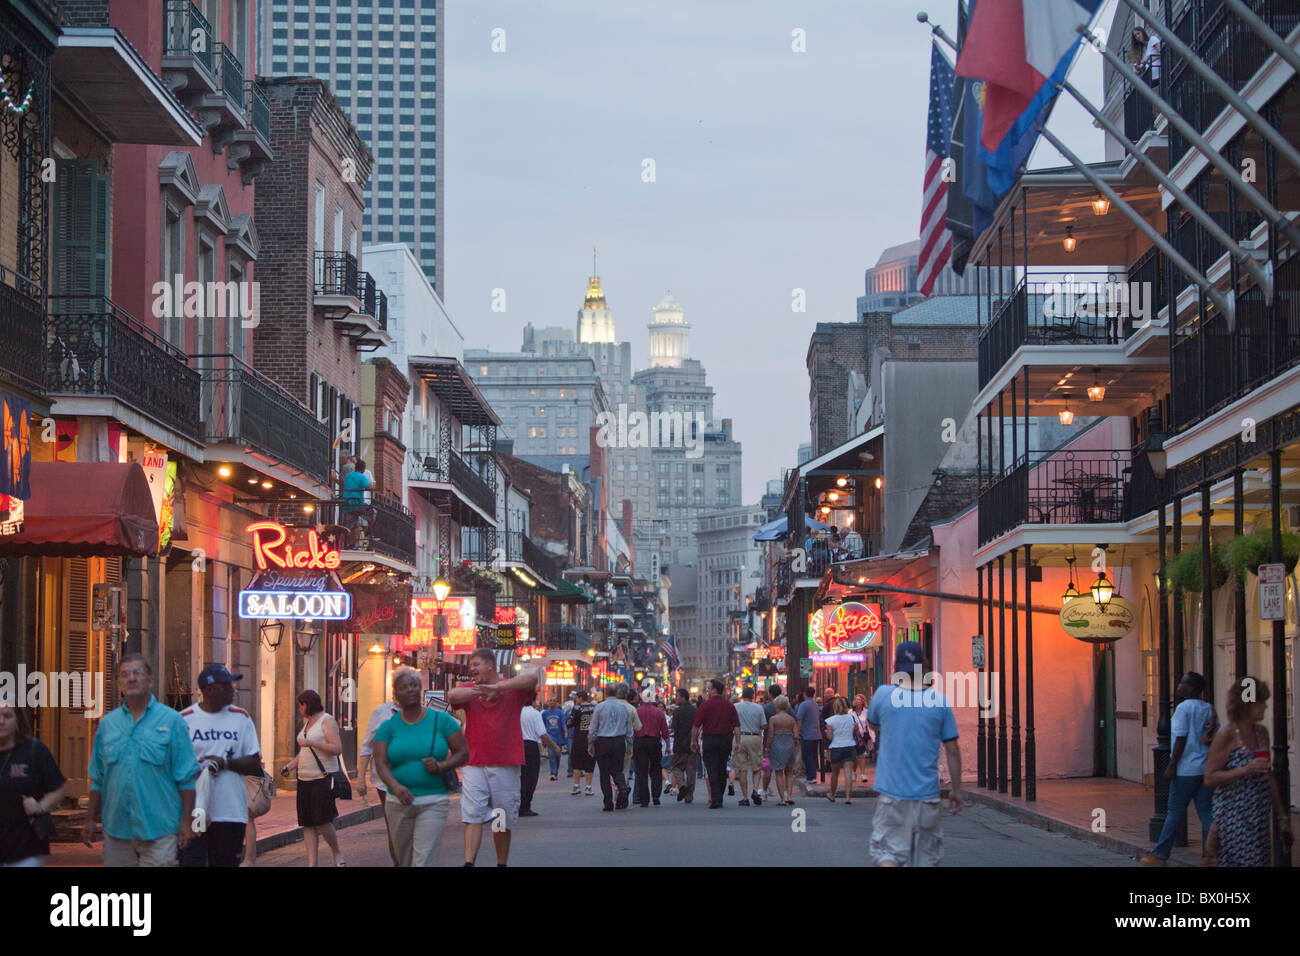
1068 806
277 828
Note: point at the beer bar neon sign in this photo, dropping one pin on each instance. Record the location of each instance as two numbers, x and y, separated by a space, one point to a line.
270 548
849 627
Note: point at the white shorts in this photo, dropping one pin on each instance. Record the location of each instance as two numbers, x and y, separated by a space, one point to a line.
484 790
907 832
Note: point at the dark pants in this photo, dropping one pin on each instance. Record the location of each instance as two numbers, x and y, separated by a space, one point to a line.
811 750
716 748
647 755
610 753
221 846
528 778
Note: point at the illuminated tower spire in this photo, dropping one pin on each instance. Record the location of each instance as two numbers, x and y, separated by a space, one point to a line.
595 320
669 333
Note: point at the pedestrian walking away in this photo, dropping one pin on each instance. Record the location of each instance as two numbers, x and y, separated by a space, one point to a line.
782 731
749 751
554 718
414 751
533 728
684 759
367 772
1237 769
842 732
810 732
31 785
317 759
716 734
490 782
1191 730
610 741
225 745
580 758
647 753
142 773
911 723
769 711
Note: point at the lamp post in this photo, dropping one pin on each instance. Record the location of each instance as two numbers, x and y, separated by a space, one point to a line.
1158 460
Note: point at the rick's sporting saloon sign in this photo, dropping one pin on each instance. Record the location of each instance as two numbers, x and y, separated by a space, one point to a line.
296 577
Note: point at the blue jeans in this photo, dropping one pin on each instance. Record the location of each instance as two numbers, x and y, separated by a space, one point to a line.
554 756
1183 790
811 753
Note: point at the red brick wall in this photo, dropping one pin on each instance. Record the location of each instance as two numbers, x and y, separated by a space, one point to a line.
392 389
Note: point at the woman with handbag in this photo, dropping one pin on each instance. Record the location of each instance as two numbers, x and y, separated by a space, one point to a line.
317 766
31 784
842 729
415 752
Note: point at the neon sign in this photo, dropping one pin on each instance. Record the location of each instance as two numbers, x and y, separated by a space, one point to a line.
271 535
461 617
296 605
561 672
849 627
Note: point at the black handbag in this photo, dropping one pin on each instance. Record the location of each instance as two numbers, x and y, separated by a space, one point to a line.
339 782
450 778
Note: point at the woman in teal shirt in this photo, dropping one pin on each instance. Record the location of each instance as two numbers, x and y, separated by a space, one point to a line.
412 751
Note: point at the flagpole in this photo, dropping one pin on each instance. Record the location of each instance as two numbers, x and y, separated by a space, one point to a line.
1204 218
1222 88
1159 241
1230 173
1224 305
1266 33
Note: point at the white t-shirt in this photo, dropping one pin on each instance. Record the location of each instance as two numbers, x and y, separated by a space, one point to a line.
531 723
841 726
377 718
227 733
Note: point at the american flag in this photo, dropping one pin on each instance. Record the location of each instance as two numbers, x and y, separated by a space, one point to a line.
669 647
936 240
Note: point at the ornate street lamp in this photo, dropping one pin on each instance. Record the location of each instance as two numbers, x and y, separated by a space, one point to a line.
441 589
1102 590
1070 592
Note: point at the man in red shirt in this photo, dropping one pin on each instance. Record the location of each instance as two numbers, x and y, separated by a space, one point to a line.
719 724
647 752
490 781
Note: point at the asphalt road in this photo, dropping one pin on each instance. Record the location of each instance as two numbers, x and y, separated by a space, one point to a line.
573 831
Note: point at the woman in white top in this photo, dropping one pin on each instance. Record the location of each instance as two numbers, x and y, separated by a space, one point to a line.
318 757
864 738
842 729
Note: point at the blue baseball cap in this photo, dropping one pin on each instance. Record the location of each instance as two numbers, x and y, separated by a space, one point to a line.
908 655
216 674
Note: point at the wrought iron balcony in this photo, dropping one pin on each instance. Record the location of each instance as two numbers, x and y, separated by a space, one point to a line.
564 636
450 468
93 347
337 285
367 327
232 76
379 526
1139 114
1085 487
1090 309
241 406
22 329
189 62
1213 366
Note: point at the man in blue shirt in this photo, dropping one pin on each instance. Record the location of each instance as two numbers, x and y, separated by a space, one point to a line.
810 732
554 720
142 773
1190 733
910 722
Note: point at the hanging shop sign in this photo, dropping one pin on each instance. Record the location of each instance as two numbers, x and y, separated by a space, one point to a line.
382 608
561 672
502 635
760 653
850 626
835 660
11 515
776 652
1083 620
295 579
16 447
459 613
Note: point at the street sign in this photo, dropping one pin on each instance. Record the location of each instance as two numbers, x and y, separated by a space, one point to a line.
805 668
1272 592
977 651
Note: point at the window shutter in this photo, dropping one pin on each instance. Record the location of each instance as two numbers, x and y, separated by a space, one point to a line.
312 389
81 209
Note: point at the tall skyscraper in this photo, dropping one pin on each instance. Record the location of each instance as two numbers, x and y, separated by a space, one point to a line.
382 60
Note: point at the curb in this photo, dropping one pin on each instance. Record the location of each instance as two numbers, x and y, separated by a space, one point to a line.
289 837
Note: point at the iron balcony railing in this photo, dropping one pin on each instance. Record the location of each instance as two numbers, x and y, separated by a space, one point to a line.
186 32
1228 45
241 406
259 110
452 469
232 75
380 525
539 560
374 302
1085 487
563 636
337 274
1139 114
93 347
480 546
22 330
1213 366
1074 309
493 549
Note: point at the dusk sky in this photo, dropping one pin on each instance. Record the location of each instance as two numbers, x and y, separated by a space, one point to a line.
774 171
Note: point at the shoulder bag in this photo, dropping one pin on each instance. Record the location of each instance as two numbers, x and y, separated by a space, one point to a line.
450 778
261 791
339 782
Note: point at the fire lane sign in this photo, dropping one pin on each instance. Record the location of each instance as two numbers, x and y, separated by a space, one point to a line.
1272 592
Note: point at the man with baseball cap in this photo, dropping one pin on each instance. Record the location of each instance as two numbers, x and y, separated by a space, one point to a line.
910 722
225 745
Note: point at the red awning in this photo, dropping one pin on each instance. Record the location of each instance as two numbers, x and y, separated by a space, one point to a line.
86 509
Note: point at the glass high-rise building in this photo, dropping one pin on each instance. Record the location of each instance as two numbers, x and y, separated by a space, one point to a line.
381 59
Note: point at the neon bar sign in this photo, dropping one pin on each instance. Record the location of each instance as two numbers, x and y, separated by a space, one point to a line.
296 605
268 536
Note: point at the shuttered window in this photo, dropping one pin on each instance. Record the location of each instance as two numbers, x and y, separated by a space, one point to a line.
81 211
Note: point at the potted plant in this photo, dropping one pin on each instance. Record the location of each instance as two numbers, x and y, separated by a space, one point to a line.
1184 570
1249 551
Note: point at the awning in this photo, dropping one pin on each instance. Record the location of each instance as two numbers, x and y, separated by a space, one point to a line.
86 509
775 530
566 592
